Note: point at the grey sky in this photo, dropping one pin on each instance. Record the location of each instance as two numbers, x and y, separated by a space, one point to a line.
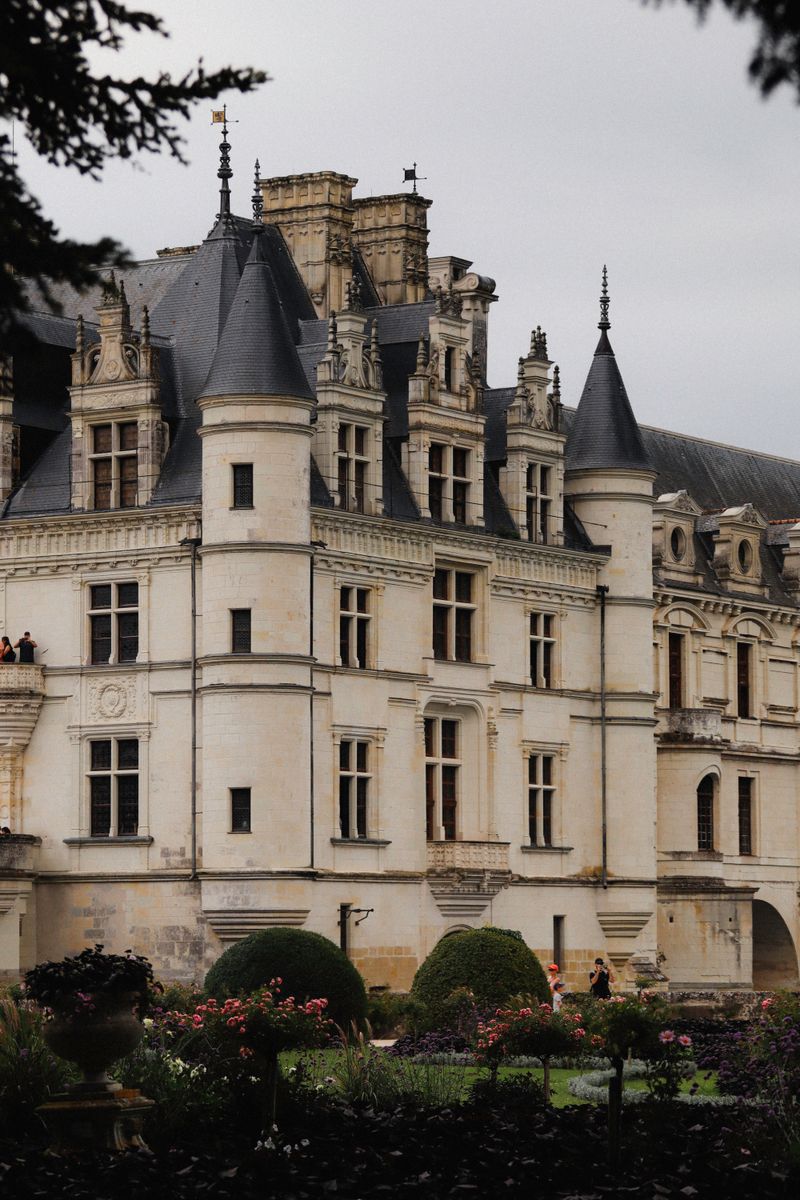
556 135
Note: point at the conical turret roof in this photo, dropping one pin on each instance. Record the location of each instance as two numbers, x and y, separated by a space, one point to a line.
256 354
604 433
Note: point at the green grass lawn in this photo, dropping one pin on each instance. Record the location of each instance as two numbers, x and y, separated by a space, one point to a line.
324 1064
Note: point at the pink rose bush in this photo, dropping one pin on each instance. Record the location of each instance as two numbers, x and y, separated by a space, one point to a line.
536 1031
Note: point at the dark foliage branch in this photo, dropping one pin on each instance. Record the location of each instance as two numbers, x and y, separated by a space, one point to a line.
776 58
75 117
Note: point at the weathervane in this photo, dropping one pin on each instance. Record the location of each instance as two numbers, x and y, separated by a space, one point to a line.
410 173
219 116
604 322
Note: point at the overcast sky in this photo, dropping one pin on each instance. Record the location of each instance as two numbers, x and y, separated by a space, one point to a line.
556 135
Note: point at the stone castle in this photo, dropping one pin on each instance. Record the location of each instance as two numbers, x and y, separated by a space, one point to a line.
333 634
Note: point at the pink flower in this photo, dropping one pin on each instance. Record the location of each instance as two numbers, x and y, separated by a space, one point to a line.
768 1003
666 1036
684 1040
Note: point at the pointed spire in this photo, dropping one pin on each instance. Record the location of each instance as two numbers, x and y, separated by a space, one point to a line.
422 358
604 322
333 334
556 384
258 200
224 173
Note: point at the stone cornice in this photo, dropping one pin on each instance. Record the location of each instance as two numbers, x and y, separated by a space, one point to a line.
61 542
730 606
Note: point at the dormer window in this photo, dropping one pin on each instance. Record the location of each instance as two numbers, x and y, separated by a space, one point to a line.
539 503
677 544
352 462
448 482
744 555
114 465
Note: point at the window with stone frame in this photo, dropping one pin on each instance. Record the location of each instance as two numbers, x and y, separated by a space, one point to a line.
745 814
240 631
442 778
675 658
355 783
240 810
352 463
541 799
242 485
539 503
449 483
706 792
542 644
113 623
745 652
114 464
113 779
454 610
354 626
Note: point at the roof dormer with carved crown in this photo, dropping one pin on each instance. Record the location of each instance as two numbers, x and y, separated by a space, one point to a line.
444 454
737 549
118 435
674 518
532 480
348 434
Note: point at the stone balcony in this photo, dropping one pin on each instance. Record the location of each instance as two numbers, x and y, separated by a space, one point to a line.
693 725
464 877
468 856
19 856
21 696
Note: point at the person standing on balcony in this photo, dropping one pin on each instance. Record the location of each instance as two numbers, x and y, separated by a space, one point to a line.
7 653
26 647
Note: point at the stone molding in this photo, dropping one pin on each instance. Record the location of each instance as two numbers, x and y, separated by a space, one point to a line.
233 924
62 543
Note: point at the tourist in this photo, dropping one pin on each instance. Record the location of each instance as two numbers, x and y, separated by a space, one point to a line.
26 647
553 975
558 995
600 980
7 652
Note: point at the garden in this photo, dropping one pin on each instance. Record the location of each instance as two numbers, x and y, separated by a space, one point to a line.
282 1076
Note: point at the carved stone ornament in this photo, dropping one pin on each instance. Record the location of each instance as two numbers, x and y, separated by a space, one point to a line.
112 699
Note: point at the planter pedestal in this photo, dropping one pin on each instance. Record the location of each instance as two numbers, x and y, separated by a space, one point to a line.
106 1121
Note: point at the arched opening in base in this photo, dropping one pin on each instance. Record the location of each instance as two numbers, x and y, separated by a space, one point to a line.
774 955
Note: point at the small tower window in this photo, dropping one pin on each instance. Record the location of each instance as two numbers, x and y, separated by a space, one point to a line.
242 485
240 631
539 503
745 815
705 813
240 810
351 470
114 465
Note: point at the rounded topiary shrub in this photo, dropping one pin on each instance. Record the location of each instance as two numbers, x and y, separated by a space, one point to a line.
488 962
309 966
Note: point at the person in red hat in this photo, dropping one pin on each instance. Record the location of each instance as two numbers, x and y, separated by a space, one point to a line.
553 975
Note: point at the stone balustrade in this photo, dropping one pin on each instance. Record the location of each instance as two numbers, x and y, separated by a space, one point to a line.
21 696
691 725
468 856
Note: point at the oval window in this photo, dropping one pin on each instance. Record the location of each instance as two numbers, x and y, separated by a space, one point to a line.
677 543
744 552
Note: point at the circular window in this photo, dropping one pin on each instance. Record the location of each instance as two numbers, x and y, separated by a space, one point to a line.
677 543
744 553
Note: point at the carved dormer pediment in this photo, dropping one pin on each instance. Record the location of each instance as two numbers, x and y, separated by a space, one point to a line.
737 548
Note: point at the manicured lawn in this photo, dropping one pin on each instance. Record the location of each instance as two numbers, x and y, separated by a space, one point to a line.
324 1065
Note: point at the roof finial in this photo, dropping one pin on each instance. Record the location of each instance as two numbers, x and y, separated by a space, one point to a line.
224 173
604 322
145 325
556 383
258 199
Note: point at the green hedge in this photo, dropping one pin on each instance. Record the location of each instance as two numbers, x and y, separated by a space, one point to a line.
490 963
308 964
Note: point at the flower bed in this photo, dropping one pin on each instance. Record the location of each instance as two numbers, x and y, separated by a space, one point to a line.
593 1086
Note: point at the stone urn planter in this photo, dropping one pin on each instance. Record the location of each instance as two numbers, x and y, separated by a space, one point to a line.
94 1034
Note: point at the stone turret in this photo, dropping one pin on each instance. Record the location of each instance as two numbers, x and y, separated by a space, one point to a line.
256 439
609 480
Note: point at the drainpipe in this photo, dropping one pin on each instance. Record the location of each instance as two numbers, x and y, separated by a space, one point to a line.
194 543
602 592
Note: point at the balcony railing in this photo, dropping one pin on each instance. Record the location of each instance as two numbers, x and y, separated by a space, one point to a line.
18 679
691 725
468 856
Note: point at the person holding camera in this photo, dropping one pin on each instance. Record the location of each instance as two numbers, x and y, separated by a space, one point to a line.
600 980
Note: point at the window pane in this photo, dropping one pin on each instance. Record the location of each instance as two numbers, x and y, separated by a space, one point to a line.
342 442
449 739
127 754
440 623
344 599
359 476
544 481
535 663
544 521
101 439
430 800
243 485
675 655
460 502
441 584
533 802
240 631
435 498
361 756
100 817
362 789
547 769
102 483
240 810
430 738
101 639
344 640
547 664
463 635
745 816
128 436
743 679
128 805
530 478
344 805
533 768
435 459
459 462
342 482
362 599
127 595
360 435
463 587
361 644
101 596
547 818
127 636
344 756
101 756
705 814
449 802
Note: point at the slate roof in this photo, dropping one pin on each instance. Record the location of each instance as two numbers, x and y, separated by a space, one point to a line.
256 355
604 433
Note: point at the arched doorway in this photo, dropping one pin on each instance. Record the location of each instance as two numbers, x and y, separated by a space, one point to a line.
774 956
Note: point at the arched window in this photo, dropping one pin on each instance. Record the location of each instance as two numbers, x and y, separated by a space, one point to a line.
705 813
